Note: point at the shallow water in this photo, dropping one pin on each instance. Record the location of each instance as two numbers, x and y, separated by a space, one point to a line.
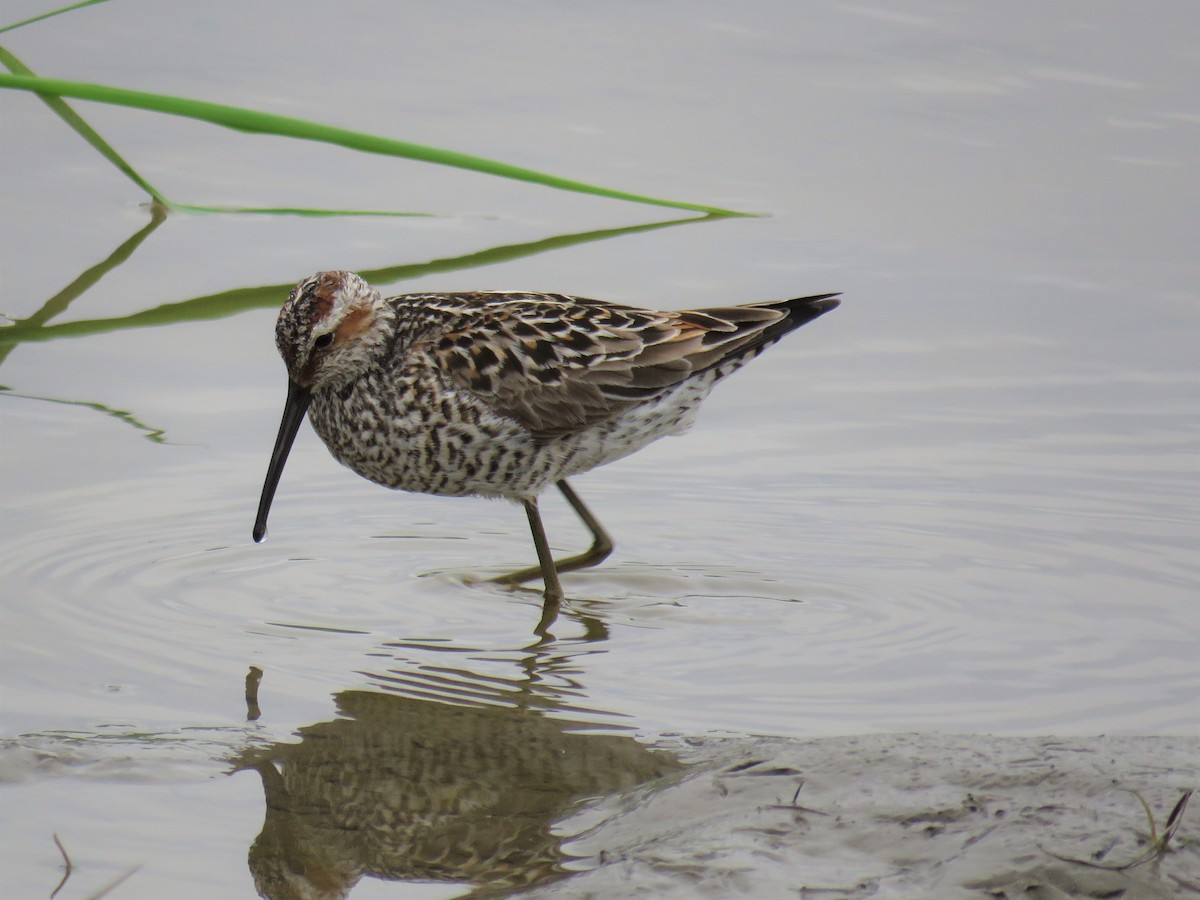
966 501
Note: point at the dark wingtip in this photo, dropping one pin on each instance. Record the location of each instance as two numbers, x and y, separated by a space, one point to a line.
800 310
259 534
822 302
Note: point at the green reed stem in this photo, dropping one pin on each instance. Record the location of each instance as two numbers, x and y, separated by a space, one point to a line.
239 300
47 15
257 122
82 128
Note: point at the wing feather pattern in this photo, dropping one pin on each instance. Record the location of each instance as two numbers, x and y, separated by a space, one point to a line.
559 364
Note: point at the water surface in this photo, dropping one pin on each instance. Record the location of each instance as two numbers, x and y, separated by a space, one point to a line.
966 501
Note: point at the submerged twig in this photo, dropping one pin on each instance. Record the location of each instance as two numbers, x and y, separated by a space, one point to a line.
114 884
253 678
66 865
96 895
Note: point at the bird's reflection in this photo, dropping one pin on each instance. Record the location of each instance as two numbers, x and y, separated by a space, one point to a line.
544 675
406 788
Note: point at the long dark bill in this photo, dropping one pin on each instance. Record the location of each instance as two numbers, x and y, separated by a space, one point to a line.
294 409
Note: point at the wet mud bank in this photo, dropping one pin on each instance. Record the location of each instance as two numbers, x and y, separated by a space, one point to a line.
902 816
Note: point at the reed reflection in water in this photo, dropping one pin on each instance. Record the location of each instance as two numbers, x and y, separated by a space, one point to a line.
416 790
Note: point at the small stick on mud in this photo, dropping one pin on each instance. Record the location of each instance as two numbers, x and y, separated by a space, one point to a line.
795 805
1158 843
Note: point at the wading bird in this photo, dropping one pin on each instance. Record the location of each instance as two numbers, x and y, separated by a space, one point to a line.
501 394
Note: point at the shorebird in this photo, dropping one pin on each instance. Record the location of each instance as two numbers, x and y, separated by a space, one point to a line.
502 393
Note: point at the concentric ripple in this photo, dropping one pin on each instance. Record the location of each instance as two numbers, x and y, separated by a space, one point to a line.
1044 598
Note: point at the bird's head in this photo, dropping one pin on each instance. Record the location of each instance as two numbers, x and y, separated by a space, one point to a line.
332 326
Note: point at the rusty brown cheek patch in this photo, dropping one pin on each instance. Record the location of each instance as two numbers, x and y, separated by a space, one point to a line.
358 320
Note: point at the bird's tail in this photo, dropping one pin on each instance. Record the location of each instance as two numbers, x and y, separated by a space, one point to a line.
737 334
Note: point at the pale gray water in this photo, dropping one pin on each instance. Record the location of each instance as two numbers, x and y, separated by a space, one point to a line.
966 501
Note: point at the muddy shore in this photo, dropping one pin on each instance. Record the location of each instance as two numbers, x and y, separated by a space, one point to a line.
898 816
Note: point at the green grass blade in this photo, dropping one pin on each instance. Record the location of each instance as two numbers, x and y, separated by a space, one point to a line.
508 252
82 128
89 134
257 122
47 15
90 277
59 303
150 433
230 303
292 211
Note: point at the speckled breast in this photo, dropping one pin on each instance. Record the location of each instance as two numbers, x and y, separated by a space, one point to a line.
413 430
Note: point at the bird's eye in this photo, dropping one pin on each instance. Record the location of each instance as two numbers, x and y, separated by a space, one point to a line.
323 341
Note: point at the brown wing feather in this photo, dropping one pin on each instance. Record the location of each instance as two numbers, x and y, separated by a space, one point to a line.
560 364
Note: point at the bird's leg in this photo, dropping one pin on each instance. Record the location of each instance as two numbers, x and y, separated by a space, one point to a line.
602 544
554 591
